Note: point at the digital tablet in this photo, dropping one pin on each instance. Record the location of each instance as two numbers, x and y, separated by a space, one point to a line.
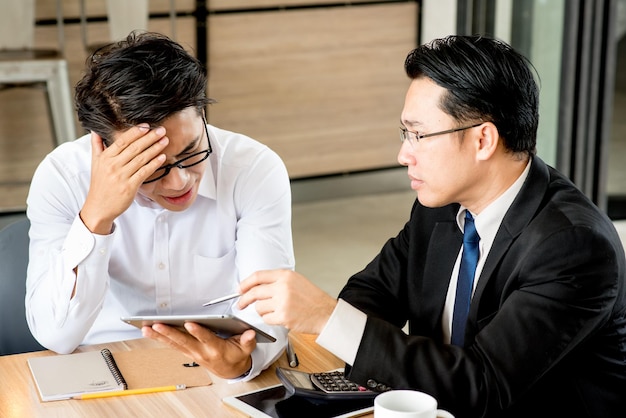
275 402
223 325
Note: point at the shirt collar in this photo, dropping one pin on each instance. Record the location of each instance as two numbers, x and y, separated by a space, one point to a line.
488 221
207 186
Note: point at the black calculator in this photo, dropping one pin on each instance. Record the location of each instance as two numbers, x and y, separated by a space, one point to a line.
324 385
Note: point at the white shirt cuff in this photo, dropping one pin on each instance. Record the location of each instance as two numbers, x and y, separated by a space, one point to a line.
343 332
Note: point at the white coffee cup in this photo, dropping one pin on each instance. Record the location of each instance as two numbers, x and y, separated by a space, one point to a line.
407 404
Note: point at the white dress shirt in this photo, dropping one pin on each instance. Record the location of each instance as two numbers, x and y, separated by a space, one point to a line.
155 261
344 330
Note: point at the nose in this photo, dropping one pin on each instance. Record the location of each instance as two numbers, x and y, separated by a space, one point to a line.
176 179
405 154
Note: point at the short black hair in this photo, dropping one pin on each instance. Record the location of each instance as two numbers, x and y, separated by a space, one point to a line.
144 78
486 80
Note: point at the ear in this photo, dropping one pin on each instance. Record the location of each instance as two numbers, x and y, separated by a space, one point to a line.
488 140
97 143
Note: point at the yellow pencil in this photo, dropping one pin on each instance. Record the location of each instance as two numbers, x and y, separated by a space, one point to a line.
129 392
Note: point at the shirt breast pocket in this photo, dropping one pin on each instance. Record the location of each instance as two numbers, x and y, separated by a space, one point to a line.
215 277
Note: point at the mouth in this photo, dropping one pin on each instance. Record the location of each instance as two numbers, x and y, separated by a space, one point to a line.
415 183
181 199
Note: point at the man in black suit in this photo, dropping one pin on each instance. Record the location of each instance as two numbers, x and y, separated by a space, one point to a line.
545 333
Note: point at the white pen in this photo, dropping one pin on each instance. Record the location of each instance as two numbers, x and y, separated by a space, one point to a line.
222 299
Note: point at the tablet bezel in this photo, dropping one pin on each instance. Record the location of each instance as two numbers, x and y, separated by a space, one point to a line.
222 325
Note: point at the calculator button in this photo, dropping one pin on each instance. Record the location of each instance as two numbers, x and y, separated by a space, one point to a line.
334 382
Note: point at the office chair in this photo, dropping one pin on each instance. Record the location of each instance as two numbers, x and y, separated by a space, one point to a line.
15 336
23 65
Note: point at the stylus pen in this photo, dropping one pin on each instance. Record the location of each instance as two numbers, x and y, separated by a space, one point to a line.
222 299
291 355
129 392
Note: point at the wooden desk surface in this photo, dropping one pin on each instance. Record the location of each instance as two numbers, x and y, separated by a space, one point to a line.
19 397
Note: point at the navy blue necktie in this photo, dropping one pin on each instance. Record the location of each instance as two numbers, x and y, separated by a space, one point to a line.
465 283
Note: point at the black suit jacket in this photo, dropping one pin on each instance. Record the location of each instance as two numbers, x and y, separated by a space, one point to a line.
546 333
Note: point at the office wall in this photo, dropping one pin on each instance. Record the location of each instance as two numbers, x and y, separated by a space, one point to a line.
323 85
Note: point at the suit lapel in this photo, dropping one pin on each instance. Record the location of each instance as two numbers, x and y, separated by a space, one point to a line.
519 215
445 239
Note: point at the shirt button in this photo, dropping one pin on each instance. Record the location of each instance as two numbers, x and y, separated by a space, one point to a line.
103 251
161 266
163 305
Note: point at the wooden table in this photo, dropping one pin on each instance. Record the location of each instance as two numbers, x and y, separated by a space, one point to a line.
19 397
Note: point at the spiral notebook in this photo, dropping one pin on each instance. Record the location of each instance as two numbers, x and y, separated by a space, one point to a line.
66 376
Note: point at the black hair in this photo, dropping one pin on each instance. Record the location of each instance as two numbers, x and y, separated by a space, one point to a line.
486 80
144 78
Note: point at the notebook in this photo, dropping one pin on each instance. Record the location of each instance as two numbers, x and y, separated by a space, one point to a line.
66 376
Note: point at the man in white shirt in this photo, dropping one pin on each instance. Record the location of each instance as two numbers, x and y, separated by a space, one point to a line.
153 212
544 333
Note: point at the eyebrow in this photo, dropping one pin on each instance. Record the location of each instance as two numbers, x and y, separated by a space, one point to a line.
410 123
193 144
416 125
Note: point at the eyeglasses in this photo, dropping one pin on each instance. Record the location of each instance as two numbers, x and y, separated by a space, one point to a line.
415 137
186 162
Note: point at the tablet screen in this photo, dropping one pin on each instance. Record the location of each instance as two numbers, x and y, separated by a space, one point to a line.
265 400
275 402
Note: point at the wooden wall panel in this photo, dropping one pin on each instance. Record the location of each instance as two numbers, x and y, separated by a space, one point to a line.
46 9
259 4
322 87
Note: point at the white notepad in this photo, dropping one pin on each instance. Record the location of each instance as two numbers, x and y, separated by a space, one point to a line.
65 376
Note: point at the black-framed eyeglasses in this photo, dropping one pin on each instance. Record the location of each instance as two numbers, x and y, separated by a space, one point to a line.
415 137
186 162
